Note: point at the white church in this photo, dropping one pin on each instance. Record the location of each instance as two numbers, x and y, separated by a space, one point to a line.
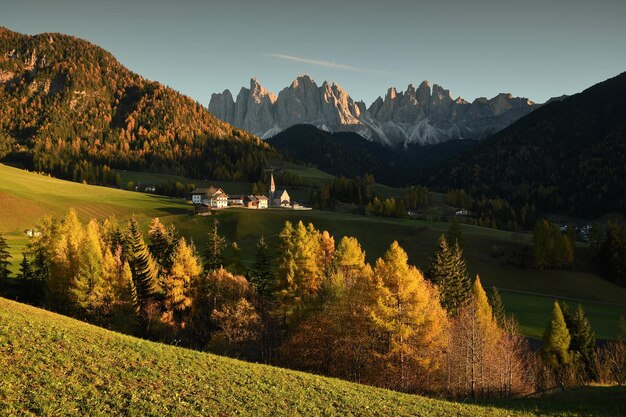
280 198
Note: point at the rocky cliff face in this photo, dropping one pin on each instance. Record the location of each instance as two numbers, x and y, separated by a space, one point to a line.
416 116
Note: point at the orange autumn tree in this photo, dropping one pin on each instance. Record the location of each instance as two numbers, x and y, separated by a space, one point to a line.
411 325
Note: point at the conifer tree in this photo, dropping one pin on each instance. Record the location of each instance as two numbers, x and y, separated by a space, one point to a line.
162 243
409 316
178 284
4 260
349 258
65 263
498 307
583 340
234 262
143 267
32 288
214 256
261 273
448 271
87 287
455 234
556 341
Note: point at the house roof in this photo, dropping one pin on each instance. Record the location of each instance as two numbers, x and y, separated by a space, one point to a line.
260 197
208 191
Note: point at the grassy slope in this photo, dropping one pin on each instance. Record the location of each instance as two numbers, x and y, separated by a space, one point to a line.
54 365
26 196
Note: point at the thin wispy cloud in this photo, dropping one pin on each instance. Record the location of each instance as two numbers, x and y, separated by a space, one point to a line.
326 64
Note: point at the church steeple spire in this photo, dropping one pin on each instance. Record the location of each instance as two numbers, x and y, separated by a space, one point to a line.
272 185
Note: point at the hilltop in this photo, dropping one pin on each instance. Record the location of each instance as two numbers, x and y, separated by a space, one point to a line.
68 107
57 365
568 156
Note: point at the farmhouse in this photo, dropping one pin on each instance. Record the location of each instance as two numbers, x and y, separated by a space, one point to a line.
210 197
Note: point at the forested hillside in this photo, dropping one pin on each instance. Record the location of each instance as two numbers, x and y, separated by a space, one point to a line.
568 156
350 155
70 108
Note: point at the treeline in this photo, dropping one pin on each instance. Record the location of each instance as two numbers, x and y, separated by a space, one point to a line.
493 212
309 303
552 249
342 190
70 108
609 250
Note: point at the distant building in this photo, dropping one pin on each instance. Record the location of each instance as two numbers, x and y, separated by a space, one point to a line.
32 233
255 201
235 200
211 197
280 198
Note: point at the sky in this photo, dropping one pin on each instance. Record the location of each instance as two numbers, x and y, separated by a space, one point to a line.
475 48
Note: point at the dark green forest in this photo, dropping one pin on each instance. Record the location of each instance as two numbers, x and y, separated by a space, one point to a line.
568 157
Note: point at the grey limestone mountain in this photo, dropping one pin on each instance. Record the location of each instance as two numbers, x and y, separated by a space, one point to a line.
426 115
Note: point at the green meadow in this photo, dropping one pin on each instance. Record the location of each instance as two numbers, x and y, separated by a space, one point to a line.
54 365
501 258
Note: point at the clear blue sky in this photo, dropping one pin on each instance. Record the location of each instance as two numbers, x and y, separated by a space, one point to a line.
532 48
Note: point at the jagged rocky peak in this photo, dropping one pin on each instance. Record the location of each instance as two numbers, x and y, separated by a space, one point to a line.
258 92
424 115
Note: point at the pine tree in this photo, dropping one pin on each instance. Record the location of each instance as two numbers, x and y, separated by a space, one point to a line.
65 263
455 234
349 258
161 244
143 267
498 307
410 319
234 262
87 288
542 244
214 256
261 273
556 341
4 260
448 271
583 340
178 284
32 288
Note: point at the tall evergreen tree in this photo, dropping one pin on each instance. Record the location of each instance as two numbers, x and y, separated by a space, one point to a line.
4 260
455 234
583 340
214 256
448 271
556 341
234 260
144 269
498 307
261 273
162 243
32 289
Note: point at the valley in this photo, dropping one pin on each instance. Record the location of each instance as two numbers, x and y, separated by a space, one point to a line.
31 195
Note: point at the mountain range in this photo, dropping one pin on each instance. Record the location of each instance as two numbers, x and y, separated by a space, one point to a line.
424 115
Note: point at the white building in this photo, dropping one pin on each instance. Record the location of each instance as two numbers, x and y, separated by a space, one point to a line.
212 197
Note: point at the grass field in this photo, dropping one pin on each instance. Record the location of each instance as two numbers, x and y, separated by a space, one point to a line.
53 365
25 196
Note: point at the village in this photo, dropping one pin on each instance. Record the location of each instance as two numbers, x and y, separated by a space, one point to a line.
205 200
